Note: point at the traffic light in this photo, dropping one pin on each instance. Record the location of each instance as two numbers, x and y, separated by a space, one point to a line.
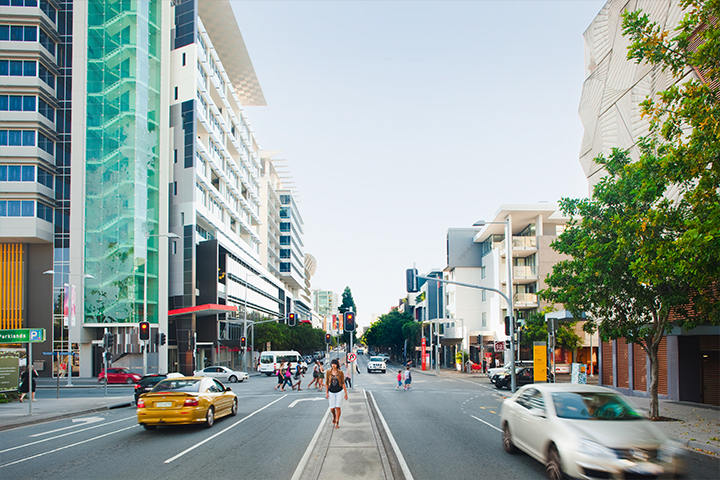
411 280
328 338
349 321
507 344
243 342
108 340
144 330
163 339
507 326
156 338
291 319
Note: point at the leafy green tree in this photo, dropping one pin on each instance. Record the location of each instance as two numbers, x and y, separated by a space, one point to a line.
387 331
536 330
302 337
645 251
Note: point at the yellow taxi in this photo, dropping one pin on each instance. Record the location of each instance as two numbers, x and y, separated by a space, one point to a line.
186 400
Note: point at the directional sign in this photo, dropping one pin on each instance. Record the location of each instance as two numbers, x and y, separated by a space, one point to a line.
22 335
351 357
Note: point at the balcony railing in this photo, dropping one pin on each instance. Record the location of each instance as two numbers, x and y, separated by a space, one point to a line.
520 272
519 243
525 299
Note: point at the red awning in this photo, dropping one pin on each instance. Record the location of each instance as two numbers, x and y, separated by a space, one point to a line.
208 309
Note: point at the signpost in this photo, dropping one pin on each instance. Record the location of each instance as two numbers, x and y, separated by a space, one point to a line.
499 346
422 353
29 336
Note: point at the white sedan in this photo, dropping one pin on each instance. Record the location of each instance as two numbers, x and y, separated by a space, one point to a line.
222 373
584 431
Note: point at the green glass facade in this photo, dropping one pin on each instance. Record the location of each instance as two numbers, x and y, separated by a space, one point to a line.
122 159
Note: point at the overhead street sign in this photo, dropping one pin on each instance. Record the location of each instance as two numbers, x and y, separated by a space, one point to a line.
499 346
22 335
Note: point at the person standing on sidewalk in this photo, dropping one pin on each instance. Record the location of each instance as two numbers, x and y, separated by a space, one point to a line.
335 386
28 383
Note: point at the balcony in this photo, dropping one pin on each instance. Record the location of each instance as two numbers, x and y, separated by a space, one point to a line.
525 300
522 246
522 274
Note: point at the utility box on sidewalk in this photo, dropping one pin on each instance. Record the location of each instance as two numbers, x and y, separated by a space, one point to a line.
578 373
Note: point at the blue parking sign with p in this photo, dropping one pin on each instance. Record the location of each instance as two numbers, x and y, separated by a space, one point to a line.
37 335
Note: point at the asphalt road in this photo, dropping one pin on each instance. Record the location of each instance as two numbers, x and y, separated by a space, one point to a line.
445 427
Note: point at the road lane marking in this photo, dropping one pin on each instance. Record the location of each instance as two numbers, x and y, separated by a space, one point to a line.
188 450
85 421
401 460
69 433
66 446
493 411
308 452
304 400
486 423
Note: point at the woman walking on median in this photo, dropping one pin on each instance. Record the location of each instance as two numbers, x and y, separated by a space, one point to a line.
335 386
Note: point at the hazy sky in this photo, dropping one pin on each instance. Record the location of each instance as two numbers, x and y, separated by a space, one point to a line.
402 119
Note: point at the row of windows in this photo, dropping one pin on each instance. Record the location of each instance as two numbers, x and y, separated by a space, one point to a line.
26 103
26 33
26 138
27 68
44 6
25 208
25 173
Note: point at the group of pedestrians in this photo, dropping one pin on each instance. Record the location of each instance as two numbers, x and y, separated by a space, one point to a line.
285 374
318 375
404 379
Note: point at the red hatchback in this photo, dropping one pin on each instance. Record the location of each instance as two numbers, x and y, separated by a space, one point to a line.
119 375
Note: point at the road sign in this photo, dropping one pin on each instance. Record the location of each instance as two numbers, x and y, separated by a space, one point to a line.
22 335
351 357
499 346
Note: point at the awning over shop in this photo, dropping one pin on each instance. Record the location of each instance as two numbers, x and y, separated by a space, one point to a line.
207 309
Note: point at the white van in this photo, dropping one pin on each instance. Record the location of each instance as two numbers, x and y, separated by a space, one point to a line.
271 360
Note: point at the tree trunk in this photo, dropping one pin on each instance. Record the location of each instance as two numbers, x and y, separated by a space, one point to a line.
654 380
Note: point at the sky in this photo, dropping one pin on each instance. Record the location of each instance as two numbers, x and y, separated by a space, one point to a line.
402 119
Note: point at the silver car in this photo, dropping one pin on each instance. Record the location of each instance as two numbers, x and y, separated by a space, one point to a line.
585 431
376 364
224 374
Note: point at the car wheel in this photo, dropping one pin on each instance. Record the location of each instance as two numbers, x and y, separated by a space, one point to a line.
129 381
232 379
102 380
499 386
149 427
369 371
234 408
508 444
268 374
209 417
553 469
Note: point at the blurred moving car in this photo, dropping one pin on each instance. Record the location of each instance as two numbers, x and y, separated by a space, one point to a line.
584 431
119 375
376 364
360 351
385 357
518 363
523 376
146 384
224 374
186 400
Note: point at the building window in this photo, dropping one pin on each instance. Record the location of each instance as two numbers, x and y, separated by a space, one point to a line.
17 208
44 212
46 76
284 239
483 272
46 110
47 42
45 178
17 138
284 226
285 253
484 319
176 93
484 295
184 59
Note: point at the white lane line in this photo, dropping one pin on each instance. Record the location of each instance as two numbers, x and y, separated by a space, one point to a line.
66 446
304 400
306 456
78 422
486 423
171 459
401 460
69 433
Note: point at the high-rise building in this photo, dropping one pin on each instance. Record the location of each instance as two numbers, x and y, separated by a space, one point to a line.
325 302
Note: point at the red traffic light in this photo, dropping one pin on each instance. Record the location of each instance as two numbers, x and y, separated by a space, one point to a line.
291 319
144 330
328 338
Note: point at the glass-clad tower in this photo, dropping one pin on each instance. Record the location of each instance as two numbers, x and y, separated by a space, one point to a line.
122 160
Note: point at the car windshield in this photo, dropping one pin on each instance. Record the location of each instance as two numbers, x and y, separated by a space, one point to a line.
376 359
177 385
593 406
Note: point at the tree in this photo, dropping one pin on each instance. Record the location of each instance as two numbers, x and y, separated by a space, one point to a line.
388 331
645 251
347 305
536 330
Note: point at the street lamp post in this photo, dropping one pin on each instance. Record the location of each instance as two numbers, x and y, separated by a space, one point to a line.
509 299
145 292
70 350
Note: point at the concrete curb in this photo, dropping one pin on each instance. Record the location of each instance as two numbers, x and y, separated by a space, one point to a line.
49 418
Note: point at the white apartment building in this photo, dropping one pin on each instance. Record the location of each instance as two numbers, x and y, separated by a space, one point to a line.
478 256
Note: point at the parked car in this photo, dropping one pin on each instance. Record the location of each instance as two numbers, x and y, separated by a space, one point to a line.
523 376
119 375
376 364
224 374
585 431
518 363
186 400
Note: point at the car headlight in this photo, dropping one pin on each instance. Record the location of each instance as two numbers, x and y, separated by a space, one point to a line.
594 449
